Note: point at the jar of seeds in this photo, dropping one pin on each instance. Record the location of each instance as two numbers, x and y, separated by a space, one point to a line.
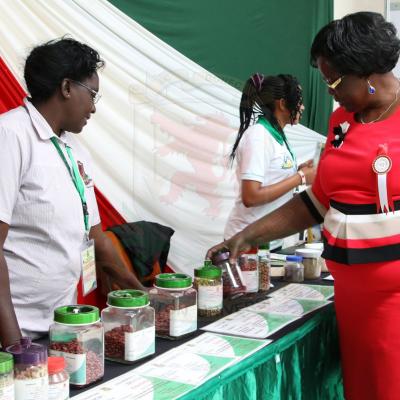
264 267
6 376
208 283
30 370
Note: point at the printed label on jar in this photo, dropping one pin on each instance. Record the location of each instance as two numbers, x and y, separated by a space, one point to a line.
7 392
210 297
183 321
31 389
75 366
139 344
59 391
251 280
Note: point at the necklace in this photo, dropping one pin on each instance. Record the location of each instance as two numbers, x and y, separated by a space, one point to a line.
387 109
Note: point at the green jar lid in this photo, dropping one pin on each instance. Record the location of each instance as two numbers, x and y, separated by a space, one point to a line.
76 315
209 271
128 298
6 363
173 281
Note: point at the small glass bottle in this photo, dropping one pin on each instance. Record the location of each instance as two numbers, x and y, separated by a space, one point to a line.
208 283
175 303
312 265
6 376
129 332
294 269
264 267
232 278
77 335
58 379
30 370
248 263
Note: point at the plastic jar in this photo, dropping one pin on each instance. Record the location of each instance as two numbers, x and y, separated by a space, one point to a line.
6 376
129 332
58 379
77 335
264 268
208 283
294 269
30 370
175 303
232 278
248 264
318 246
312 266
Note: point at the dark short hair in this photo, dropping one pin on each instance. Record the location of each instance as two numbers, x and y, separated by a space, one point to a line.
361 44
48 64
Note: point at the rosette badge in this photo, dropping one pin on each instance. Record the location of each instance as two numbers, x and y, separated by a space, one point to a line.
340 134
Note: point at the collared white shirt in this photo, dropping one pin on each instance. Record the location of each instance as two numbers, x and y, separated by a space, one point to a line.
259 158
42 207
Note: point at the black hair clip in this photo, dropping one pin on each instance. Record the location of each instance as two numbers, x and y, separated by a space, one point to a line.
340 133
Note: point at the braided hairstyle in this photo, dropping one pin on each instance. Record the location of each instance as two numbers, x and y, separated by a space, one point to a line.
258 99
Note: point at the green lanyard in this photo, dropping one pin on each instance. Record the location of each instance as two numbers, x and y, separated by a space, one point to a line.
76 179
276 135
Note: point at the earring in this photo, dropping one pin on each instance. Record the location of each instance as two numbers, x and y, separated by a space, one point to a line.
371 89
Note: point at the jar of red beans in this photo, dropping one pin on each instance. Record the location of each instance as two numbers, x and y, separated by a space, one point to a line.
77 335
30 370
248 263
129 332
175 303
232 278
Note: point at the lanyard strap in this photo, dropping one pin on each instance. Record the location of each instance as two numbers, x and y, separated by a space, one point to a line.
278 136
76 179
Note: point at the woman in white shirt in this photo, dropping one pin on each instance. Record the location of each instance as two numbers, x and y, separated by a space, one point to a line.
266 165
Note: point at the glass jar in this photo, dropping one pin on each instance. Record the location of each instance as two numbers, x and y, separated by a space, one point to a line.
312 266
129 332
58 379
77 335
318 246
30 370
232 278
6 376
208 283
294 269
248 264
264 268
175 303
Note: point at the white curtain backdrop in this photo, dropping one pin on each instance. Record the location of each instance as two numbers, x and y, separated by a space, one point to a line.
163 128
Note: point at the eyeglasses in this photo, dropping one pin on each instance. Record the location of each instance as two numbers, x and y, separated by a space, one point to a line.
335 84
95 95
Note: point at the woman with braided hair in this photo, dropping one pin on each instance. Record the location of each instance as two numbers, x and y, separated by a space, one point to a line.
266 165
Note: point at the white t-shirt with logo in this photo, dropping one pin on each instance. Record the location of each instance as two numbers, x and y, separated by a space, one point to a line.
41 205
259 158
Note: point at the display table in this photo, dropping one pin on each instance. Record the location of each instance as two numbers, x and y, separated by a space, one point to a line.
301 363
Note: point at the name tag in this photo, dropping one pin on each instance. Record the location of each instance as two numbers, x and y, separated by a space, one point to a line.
88 267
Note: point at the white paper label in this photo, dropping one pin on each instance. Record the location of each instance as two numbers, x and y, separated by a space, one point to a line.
59 391
7 392
139 344
31 389
183 321
251 280
210 297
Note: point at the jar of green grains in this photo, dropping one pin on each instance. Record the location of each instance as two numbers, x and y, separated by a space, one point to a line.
208 283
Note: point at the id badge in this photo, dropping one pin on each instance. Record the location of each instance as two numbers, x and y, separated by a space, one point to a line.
88 267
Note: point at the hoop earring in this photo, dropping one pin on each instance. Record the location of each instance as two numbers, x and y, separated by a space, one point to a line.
371 89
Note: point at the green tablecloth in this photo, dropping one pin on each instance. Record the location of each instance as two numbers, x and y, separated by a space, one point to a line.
302 365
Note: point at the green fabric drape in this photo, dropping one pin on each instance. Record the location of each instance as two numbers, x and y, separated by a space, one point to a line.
234 39
302 365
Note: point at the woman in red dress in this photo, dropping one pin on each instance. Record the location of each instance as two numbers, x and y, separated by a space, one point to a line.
356 193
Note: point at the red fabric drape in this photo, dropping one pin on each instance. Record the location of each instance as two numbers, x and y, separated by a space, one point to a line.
11 92
108 214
